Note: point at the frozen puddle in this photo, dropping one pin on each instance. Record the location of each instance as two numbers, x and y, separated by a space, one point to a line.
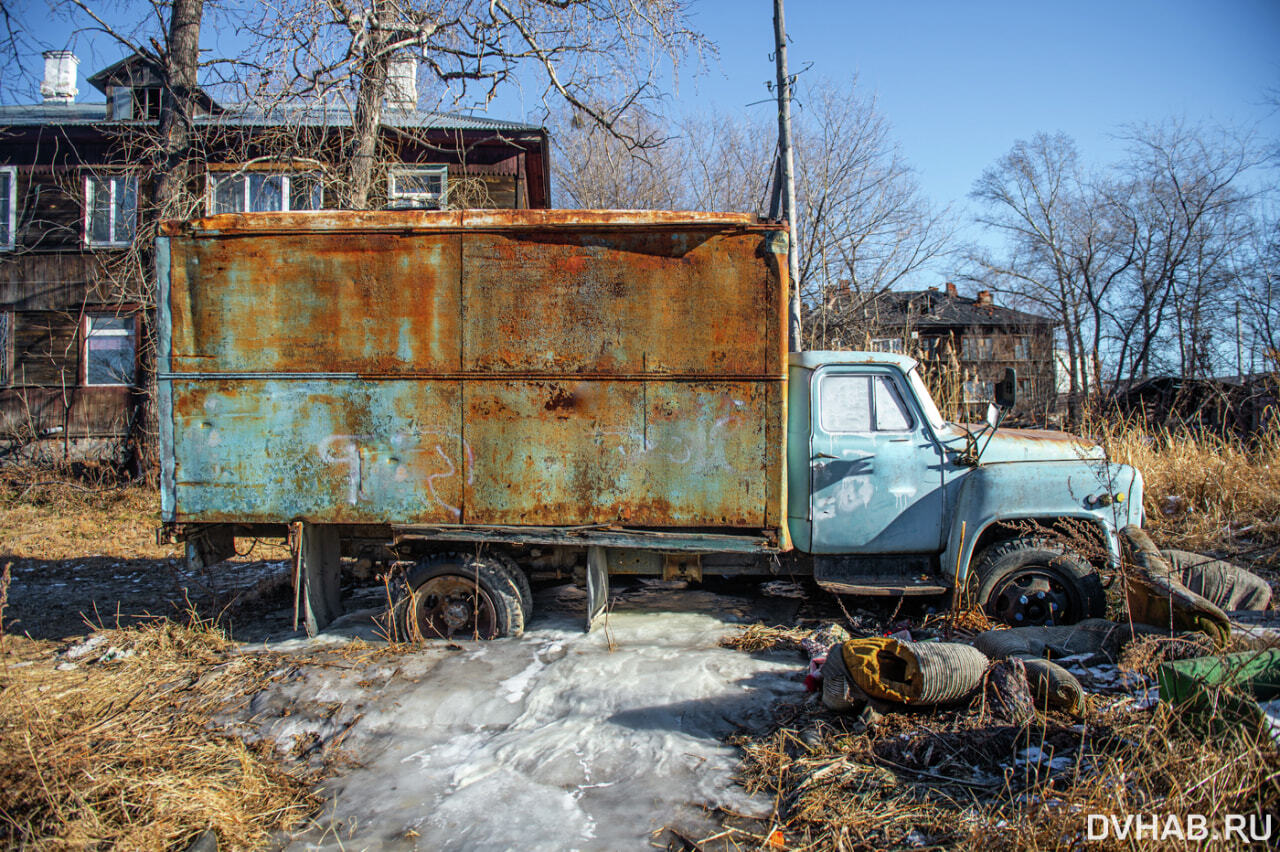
553 741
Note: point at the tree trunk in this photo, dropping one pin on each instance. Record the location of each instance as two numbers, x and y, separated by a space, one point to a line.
177 107
363 144
171 200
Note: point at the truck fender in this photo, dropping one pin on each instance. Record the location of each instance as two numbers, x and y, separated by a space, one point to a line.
1002 494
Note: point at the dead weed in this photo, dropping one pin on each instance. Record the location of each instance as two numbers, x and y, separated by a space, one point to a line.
112 744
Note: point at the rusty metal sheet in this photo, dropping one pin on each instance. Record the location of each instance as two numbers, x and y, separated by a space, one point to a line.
684 302
319 302
546 368
327 451
634 453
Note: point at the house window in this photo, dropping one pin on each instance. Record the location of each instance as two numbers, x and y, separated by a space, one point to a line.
974 348
1022 348
8 206
1026 388
887 344
418 186
111 210
265 192
110 349
977 390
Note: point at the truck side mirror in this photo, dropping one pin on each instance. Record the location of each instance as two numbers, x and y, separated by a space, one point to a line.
1007 389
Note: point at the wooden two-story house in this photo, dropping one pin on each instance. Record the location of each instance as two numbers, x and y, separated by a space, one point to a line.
75 233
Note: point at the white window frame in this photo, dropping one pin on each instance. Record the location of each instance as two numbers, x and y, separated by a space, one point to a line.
11 205
437 200
115 182
213 179
88 333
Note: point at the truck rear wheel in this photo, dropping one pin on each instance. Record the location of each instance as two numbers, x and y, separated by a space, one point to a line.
1024 582
461 597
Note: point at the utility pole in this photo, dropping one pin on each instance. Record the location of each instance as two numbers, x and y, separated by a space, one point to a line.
787 169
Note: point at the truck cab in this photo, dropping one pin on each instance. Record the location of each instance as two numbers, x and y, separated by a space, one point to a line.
890 498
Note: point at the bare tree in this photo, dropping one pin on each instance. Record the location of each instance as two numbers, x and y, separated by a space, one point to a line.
596 169
865 225
340 51
1141 264
1187 205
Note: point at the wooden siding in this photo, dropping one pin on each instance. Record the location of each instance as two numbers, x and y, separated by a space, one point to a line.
74 412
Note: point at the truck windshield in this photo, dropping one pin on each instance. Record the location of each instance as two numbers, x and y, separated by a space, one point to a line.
927 404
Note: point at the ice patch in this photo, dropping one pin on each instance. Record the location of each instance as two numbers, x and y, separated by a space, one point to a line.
559 740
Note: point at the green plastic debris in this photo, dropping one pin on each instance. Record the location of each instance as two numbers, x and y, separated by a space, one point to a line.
1218 694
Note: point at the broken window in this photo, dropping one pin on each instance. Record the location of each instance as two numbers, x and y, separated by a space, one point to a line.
111 210
110 350
418 186
888 344
265 192
975 348
979 391
8 206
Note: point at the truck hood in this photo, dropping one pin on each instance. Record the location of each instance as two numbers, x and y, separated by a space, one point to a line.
1026 445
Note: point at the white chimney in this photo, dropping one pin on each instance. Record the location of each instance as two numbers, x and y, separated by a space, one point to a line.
59 86
402 84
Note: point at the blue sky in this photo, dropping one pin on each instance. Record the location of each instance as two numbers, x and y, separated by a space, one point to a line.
960 82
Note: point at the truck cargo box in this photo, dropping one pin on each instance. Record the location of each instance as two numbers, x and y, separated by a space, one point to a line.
514 368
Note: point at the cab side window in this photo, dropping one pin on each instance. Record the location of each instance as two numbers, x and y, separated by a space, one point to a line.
852 403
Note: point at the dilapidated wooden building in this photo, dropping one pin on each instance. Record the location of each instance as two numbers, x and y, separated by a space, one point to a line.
967 341
75 233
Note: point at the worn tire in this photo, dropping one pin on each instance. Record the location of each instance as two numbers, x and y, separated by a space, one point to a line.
441 600
1040 581
521 580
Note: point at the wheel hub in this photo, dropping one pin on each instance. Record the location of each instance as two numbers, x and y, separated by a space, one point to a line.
450 606
1032 598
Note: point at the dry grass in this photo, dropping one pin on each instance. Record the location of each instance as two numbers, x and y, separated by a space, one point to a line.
121 751
762 637
51 515
947 780
1204 492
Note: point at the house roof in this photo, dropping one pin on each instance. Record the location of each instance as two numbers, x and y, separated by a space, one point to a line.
935 309
236 115
320 115
137 70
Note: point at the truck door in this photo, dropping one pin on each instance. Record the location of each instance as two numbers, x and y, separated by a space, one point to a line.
875 469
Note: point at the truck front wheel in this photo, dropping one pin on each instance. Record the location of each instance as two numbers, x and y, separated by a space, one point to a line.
461 597
1025 582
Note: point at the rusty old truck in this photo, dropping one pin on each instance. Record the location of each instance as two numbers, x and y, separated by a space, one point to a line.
481 395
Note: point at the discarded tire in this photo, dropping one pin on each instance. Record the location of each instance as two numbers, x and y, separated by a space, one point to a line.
915 674
1054 687
1027 581
1091 636
836 694
1157 596
1227 586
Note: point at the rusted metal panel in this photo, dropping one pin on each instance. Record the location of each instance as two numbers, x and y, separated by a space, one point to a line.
683 302
642 453
318 302
328 450
527 368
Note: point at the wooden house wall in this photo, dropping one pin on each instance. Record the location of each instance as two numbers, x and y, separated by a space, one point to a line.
50 280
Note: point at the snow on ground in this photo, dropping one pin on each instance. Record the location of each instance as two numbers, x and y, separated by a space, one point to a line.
559 740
